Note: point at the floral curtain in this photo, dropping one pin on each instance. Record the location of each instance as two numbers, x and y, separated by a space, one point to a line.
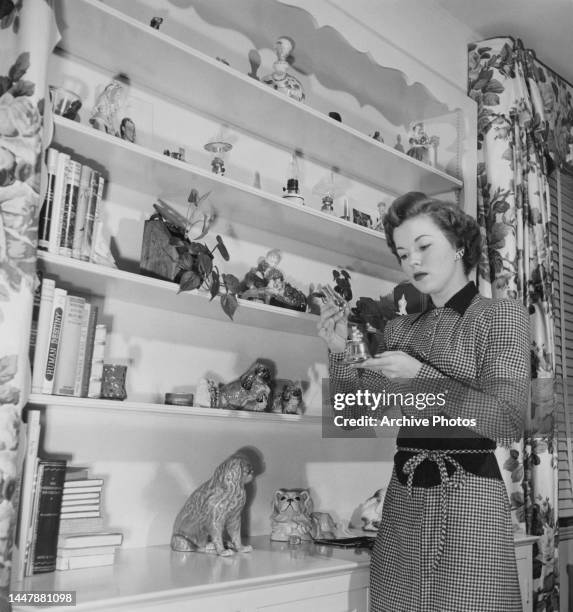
27 36
513 212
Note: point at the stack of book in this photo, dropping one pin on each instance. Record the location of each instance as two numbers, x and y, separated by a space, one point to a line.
83 541
69 219
77 550
67 344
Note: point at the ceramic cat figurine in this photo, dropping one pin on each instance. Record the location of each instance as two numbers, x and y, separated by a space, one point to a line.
215 509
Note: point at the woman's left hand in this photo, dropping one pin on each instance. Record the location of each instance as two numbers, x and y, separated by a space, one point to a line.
393 364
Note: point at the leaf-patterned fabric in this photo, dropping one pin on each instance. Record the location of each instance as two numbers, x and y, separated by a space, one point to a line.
513 212
27 37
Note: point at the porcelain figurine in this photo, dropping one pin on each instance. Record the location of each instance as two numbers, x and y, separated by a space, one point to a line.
280 79
108 103
206 394
422 147
291 515
214 510
288 399
251 391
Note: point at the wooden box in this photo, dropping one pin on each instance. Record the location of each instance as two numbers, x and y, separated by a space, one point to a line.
158 257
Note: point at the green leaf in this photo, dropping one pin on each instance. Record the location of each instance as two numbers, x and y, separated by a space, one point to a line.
22 88
186 261
222 248
205 264
20 66
215 284
229 304
189 280
231 283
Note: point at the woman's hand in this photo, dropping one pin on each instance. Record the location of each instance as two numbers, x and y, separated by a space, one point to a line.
333 326
393 364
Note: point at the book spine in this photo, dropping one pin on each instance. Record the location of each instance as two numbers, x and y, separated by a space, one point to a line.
48 519
58 310
82 349
43 333
69 563
31 535
90 343
67 359
94 390
35 317
69 208
26 493
91 215
47 206
83 199
54 240
98 223
69 526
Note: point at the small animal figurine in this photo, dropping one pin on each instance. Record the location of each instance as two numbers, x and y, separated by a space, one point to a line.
213 510
292 515
251 391
289 399
371 511
323 525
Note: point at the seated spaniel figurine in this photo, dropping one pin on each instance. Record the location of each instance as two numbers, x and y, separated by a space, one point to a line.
215 509
251 391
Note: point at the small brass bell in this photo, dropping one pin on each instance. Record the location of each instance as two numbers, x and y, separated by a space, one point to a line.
356 347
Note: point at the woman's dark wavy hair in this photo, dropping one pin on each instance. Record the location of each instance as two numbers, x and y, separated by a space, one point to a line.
459 228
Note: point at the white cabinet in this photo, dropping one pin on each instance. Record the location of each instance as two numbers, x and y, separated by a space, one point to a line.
523 555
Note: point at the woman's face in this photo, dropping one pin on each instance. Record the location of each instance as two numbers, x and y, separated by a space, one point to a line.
427 256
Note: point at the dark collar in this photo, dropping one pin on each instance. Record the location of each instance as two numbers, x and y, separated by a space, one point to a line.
461 300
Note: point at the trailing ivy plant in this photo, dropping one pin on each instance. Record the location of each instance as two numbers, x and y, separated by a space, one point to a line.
197 270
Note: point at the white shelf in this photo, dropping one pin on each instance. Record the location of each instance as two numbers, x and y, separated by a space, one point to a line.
99 280
55 401
157 61
156 575
156 174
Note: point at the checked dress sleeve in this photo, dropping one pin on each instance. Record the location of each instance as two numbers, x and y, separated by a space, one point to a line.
498 398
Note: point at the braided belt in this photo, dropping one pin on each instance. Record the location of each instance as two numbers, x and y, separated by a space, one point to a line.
440 457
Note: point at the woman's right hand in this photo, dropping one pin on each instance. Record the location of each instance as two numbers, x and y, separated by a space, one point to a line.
333 326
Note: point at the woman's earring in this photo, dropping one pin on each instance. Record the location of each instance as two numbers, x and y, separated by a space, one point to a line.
459 254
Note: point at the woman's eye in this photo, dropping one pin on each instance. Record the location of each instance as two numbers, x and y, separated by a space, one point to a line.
423 247
403 256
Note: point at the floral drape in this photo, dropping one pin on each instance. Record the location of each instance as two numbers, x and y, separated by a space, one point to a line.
27 36
513 212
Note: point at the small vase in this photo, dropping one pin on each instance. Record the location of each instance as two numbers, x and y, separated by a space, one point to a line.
113 382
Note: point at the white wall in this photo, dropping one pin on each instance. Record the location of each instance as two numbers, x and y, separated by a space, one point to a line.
151 463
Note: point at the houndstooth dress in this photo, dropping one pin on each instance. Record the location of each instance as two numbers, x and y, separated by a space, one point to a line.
445 542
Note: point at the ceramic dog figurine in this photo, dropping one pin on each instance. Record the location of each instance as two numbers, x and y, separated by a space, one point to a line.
215 509
251 391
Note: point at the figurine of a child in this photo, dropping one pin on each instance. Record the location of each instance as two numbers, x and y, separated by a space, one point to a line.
108 103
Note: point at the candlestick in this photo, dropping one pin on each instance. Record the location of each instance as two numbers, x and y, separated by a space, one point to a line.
346 210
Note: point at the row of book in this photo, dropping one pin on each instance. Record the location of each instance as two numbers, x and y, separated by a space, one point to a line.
53 501
67 344
69 219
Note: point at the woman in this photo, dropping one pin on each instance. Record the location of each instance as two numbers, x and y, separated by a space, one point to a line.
445 541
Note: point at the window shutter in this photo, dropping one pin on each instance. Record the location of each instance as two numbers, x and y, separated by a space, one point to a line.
561 186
